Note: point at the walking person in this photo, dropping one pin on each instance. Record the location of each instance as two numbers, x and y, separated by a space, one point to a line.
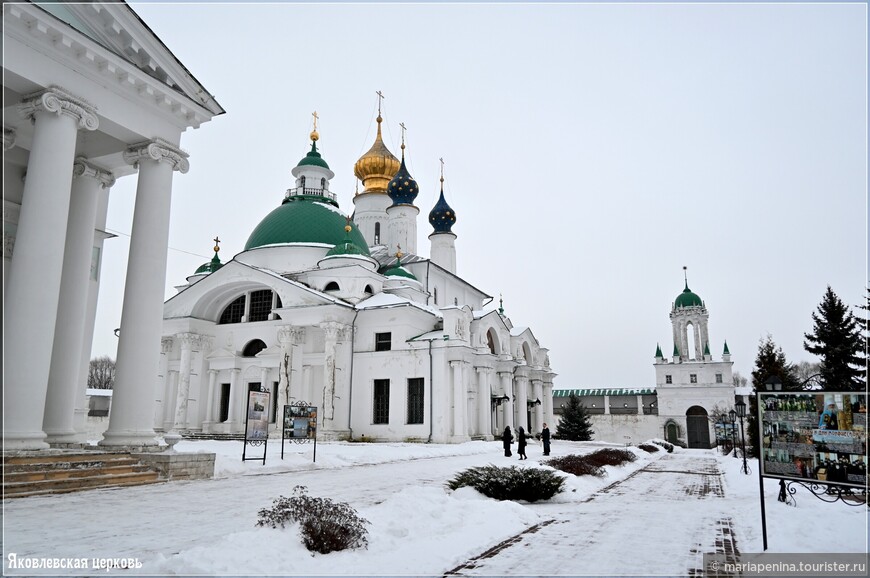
506 439
545 439
521 443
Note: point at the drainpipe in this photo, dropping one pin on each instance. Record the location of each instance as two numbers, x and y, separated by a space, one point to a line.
350 388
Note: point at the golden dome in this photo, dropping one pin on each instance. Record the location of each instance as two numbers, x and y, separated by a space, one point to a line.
377 167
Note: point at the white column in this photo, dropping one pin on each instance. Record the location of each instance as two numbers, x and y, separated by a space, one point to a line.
607 405
33 288
539 409
233 402
188 342
169 403
522 401
209 408
142 313
459 401
484 405
698 347
307 388
548 403
162 389
331 333
506 379
69 332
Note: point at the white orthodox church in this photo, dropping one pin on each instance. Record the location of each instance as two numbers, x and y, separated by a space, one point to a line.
690 388
342 313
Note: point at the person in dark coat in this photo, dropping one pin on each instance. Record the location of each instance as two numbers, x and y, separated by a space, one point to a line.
521 443
545 439
506 439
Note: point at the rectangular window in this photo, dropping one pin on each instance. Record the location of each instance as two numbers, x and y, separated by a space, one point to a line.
381 413
693 377
415 400
718 378
383 341
668 379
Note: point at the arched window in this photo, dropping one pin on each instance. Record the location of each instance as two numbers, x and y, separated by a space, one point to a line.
435 295
261 305
323 183
233 312
332 286
253 348
368 290
377 234
302 181
491 340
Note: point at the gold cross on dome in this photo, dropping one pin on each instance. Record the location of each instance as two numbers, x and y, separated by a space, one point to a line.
217 243
380 98
314 114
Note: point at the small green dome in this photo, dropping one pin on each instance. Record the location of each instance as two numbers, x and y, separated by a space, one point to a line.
211 266
346 247
313 158
396 270
687 299
306 219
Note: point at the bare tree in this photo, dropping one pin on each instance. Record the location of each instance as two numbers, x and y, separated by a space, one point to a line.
739 380
101 373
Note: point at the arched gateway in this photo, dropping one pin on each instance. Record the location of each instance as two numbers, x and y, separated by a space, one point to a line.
697 427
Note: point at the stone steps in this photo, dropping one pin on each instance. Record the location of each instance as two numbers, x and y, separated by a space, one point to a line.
52 472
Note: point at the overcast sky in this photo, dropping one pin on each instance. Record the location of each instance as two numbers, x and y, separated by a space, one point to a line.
591 151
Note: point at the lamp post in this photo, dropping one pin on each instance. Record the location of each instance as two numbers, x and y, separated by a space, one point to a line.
733 415
741 413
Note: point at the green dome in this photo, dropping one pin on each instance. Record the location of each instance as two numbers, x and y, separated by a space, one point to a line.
306 219
313 158
688 299
398 271
211 266
346 247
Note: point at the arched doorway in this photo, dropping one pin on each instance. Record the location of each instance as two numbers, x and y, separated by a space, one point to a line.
697 427
672 432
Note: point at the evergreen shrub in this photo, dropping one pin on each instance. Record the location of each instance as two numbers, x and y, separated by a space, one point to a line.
669 447
577 465
610 457
510 483
327 526
648 448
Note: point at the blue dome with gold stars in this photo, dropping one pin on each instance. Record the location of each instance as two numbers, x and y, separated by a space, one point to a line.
442 216
403 188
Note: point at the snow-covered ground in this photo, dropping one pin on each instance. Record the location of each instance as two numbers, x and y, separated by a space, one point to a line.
416 525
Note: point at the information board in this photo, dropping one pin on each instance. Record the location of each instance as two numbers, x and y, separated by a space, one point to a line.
814 436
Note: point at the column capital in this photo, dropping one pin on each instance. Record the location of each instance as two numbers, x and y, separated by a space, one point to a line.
214 371
58 101
291 335
166 344
8 138
192 341
505 374
83 168
336 331
158 150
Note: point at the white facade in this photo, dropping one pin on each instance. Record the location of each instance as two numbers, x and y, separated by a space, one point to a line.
71 70
388 349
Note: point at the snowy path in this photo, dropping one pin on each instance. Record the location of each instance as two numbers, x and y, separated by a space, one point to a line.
673 507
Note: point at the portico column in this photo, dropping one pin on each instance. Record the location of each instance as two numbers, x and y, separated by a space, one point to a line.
539 408
169 400
234 395
162 388
142 313
506 378
330 332
484 403
548 402
209 408
188 342
522 401
63 384
33 288
607 405
459 401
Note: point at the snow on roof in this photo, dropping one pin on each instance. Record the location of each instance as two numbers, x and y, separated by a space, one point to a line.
516 331
331 208
438 334
384 300
98 392
604 391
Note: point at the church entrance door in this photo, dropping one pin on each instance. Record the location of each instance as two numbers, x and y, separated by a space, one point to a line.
697 427
672 433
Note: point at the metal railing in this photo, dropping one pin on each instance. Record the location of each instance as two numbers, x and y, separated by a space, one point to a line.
309 191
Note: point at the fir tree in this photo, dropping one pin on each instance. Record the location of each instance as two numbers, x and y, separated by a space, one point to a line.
575 424
836 338
769 362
